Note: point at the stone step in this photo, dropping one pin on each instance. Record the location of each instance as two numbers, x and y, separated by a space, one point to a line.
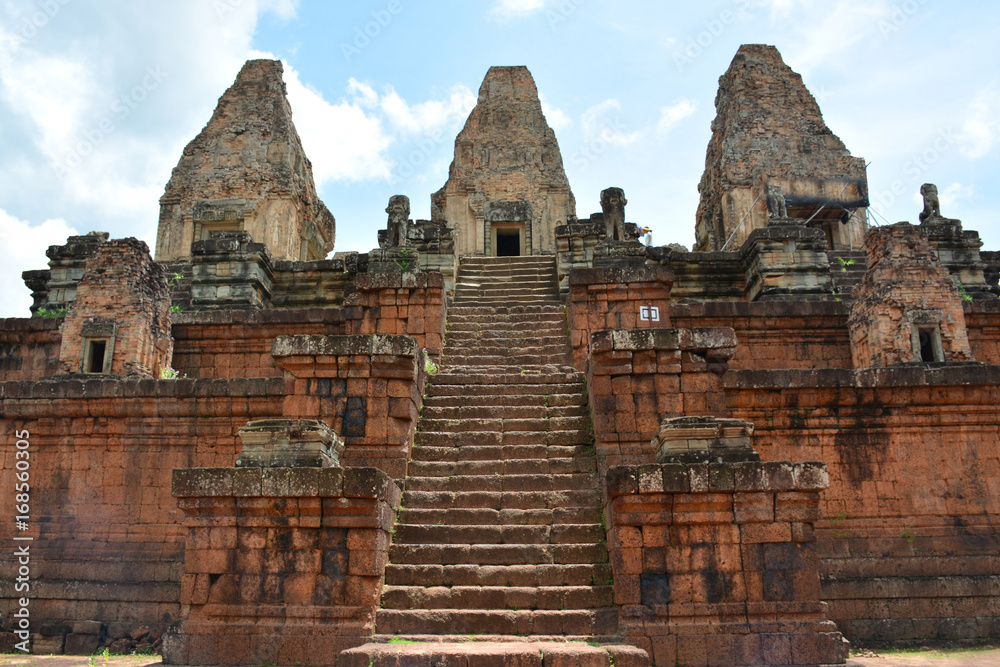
484 302
503 412
482 621
567 533
497 554
547 466
504 286
499 320
492 517
524 342
502 500
555 335
509 362
499 376
499 401
497 597
500 483
504 425
490 453
518 651
521 390
497 295
535 348
581 574
505 438
511 326
543 309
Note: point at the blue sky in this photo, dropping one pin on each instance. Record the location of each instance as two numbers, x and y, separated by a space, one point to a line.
99 97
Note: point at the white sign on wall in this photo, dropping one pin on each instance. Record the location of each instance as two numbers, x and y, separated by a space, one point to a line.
649 314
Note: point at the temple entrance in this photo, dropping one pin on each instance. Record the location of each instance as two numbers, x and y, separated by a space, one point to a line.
508 240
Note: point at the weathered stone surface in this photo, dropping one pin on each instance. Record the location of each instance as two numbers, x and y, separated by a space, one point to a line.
769 132
703 440
289 443
507 170
119 322
247 171
907 307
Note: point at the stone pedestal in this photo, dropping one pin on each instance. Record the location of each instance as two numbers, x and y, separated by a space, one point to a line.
231 271
289 443
704 440
786 260
282 565
394 259
716 564
619 254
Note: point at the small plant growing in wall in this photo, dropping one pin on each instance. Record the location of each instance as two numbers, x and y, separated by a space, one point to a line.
844 263
429 366
407 261
961 290
51 312
168 373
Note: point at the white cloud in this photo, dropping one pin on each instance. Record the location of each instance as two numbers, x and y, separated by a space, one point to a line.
557 118
672 115
506 10
982 126
22 248
955 193
427 117
825 32
603 122
344 142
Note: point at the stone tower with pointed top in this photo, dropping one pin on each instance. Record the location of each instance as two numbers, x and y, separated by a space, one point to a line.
769 131
506 190
247 171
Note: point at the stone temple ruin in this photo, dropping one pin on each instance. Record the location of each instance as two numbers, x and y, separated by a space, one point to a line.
509 435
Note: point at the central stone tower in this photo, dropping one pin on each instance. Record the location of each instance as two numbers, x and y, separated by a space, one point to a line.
507 190
769 133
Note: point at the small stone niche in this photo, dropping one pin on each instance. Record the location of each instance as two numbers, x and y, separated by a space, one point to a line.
119 323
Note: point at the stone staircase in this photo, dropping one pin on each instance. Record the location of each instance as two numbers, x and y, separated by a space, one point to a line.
500 536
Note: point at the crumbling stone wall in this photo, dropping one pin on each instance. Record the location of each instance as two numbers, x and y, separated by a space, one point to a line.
124 300
247 171
906 294
769 131
507 168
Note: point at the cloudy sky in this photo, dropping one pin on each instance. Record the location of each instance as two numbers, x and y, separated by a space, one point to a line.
99 97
